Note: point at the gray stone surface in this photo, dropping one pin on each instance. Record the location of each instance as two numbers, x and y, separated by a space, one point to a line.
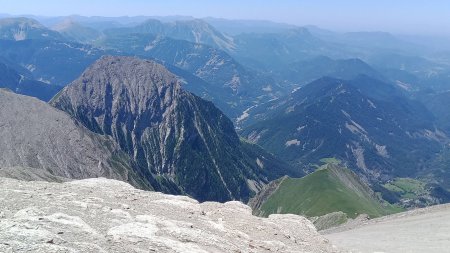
103 215
420 230
42 142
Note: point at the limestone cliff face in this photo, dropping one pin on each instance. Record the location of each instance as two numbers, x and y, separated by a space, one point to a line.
185 142
102 215
45 141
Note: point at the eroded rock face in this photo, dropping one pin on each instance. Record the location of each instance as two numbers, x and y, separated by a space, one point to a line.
104 215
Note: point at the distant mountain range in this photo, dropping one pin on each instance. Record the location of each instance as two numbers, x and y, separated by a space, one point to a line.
77 32
363 121
50 61
196 31
306 71
373 100
229 84
18 29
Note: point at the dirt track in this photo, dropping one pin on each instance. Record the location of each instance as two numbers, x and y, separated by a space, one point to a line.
424 230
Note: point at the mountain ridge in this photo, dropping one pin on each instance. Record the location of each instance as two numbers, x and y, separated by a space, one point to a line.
18 29
195 30
365 108
37 137
331 188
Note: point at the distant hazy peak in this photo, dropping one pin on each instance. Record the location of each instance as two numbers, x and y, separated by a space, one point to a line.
196 30
65 24
25 28
21 21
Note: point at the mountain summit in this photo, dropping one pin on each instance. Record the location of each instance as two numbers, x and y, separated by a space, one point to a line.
186 142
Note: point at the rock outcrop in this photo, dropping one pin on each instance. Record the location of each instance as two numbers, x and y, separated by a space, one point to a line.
102 215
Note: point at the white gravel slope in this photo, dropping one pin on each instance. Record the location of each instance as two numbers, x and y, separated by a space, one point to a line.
102 215
423 230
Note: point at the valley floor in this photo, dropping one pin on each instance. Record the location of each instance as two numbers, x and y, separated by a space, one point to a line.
421 230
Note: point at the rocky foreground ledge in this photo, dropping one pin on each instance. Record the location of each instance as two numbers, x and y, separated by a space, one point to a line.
102 215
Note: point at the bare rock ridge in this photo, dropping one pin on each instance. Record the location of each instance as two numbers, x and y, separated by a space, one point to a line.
103 215
45 143
184 141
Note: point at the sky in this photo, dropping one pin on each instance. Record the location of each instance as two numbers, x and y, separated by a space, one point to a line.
400 16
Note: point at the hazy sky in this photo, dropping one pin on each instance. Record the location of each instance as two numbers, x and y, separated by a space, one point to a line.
401 16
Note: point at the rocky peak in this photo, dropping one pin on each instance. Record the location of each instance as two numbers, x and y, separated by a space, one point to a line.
179 138
121 93
124 83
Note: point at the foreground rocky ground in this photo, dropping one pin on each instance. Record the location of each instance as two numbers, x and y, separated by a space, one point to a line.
421 230
102 215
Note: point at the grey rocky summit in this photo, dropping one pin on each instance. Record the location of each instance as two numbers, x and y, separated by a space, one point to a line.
185 142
